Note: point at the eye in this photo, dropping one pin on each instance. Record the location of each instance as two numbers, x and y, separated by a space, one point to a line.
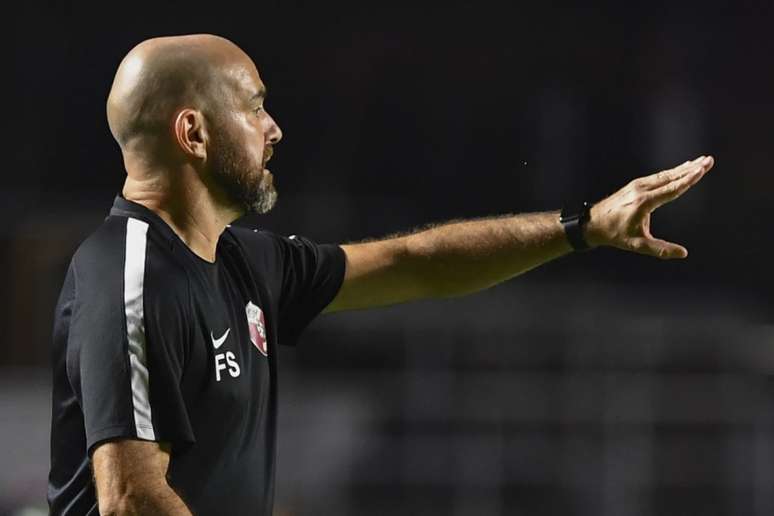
258 110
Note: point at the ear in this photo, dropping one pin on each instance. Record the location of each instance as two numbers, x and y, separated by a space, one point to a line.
190 133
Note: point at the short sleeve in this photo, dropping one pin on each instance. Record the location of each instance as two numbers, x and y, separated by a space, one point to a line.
123 364
312 275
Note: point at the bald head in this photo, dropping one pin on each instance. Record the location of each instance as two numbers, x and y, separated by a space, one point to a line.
194 104
162 75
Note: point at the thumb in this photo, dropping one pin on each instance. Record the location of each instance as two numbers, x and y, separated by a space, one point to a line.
658 248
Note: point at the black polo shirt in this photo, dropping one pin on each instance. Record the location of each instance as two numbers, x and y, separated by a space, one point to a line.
151 342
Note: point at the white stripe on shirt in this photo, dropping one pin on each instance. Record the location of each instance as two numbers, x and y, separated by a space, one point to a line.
134 277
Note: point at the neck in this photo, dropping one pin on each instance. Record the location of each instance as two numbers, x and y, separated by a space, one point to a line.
185 203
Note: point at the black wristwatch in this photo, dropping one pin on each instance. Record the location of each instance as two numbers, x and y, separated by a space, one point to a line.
573 218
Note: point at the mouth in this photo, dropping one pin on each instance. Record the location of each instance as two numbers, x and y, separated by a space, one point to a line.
268 152
267 180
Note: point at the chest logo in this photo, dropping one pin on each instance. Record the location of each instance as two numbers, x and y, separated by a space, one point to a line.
257 327
224 361
216 343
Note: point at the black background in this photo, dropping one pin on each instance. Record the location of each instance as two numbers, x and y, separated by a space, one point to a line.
400 114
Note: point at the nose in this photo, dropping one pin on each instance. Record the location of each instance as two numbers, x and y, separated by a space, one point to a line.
273 132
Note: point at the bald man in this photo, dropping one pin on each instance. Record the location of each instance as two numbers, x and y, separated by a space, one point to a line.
165 386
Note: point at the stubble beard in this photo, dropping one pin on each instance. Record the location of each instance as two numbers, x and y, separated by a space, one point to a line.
252 189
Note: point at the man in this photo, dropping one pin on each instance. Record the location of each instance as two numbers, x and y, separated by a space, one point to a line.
164 396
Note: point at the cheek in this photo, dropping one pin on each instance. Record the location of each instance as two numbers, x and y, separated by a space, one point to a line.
252 139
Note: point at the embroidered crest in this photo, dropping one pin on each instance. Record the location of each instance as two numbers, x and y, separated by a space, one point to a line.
256 325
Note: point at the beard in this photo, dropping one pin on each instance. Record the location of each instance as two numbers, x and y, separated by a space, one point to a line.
236 174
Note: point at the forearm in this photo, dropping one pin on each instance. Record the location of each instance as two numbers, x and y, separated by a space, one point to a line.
447 260
463 257
161 501
130 477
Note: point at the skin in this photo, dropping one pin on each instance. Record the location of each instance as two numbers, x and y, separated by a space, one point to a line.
176 141
176 137
130 477
468 256
188 114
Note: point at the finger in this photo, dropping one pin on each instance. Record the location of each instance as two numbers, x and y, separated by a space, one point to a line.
666 176
671 191
658 248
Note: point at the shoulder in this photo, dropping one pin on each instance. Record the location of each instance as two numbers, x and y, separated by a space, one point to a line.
267 239
98 261
107 242
257 242
253 235
123 246
272 248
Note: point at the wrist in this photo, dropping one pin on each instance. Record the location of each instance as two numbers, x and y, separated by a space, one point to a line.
592 231
574 219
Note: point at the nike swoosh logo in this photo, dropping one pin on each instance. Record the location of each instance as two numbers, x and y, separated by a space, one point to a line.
219 342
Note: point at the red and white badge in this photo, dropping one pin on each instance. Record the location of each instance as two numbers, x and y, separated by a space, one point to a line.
255 323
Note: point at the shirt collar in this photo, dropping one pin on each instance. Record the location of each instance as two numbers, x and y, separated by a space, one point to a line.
125 208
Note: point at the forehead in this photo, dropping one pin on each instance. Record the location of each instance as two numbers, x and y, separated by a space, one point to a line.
246 80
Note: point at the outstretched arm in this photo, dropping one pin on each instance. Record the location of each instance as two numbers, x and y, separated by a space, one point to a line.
462 257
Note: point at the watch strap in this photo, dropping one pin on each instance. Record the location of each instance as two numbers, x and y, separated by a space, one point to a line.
573 220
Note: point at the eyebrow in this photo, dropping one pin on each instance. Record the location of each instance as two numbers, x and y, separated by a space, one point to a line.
261 94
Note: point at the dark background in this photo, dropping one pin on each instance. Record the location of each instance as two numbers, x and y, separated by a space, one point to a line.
602 383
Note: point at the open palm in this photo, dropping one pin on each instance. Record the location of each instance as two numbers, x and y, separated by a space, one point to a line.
622 220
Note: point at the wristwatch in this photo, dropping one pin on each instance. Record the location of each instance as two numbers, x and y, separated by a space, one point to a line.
573 218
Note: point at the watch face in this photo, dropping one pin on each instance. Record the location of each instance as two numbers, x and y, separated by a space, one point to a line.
576 211
566 216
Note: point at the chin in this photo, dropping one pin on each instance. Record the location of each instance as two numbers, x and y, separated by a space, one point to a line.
264 195
265 202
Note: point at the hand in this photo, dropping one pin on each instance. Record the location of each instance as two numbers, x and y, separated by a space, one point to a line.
623 219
